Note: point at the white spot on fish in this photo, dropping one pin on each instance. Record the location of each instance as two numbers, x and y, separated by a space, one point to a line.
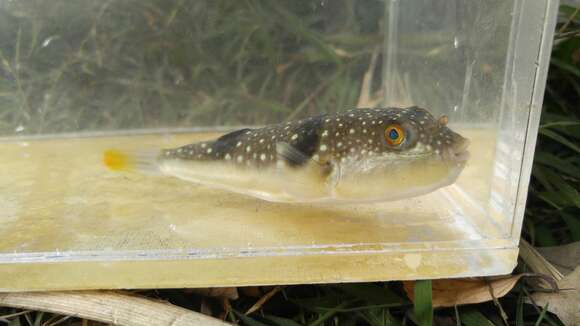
339 144
263 157
261 140
325 133
239 144
248 148
203 145
351 131
323 148
295 136
228 157
315 157
240 158
209 150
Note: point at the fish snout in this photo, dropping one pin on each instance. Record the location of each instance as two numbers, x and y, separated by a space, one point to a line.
458 150
452 146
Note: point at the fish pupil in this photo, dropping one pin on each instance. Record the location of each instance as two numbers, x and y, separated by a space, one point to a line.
393 134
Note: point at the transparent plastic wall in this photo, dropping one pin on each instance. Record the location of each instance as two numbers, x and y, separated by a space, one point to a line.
79 78
474 61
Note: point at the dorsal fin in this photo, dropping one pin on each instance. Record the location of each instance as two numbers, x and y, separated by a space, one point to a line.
233 135
228 141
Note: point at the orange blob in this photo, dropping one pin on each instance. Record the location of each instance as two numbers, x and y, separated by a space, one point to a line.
116 160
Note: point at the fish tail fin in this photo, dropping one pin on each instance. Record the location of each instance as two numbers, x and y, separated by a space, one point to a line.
132 161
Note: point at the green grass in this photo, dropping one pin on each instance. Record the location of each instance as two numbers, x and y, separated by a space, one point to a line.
136 64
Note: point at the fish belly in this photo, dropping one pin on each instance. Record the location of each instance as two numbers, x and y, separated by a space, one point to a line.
276 184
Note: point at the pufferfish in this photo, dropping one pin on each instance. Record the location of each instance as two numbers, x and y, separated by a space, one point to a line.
355 156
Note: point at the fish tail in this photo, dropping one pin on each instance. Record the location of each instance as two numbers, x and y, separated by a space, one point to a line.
131 161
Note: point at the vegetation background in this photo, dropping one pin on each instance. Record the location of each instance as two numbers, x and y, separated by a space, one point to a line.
78 74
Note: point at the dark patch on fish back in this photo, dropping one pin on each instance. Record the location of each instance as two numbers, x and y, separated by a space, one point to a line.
308 140
227 142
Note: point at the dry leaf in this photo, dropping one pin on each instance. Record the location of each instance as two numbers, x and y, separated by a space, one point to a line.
537 262
251 291
230 293
448 293
263 300
107 307
565 257
566 302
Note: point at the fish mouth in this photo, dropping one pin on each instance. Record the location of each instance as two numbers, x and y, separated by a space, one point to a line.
458 151
462 156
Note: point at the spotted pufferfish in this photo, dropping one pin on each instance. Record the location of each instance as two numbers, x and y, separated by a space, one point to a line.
355 156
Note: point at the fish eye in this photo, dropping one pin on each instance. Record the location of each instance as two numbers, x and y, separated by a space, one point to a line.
394 135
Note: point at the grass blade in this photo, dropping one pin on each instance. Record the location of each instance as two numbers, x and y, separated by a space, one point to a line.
565 66
560 139
553 161
472 317
248 320
423 302
573 224
542 315
372 293
323 317
520 311
281 321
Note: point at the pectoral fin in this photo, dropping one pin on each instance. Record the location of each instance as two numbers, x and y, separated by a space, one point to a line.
295 158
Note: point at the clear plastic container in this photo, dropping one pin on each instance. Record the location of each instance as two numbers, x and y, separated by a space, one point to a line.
74 83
